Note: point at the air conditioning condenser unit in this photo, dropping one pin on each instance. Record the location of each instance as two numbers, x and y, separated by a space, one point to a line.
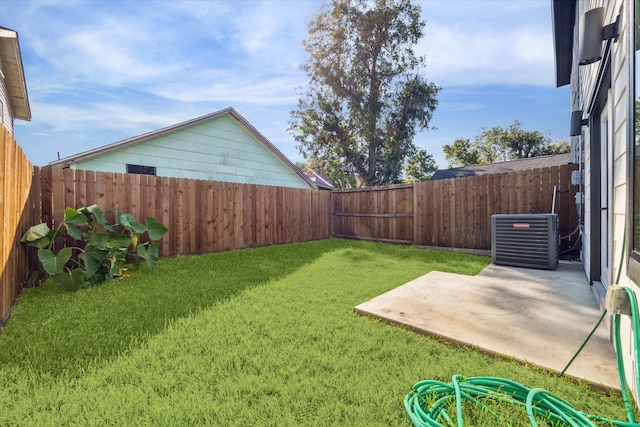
525 240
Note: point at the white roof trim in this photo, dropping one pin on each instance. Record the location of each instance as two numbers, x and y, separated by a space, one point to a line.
13 73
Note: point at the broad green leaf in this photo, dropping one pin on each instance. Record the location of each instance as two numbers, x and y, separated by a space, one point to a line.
74 232
138 228
78 278
119 242
114 268
142 251
74 217
99 217
99 277
126 219
94 209
101 240
54 264
70 282
92 258
87 214
155 228
40 243
36 232
129 222
149 254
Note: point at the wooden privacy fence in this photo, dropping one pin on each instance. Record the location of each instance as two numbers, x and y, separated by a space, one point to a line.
16 216
202 216
453 213
208 216
375 213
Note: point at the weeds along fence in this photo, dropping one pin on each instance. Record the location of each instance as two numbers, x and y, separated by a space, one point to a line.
454 213
17 214
202 216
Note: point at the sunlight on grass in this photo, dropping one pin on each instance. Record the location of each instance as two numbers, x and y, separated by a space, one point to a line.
285 349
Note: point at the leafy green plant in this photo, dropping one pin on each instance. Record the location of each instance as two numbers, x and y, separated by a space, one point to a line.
105 251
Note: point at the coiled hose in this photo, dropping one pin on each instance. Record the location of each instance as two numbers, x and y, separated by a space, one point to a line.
429 402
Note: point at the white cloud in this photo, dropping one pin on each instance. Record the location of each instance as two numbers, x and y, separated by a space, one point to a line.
100 71
461 106
67 118
117 52
509 44
260 90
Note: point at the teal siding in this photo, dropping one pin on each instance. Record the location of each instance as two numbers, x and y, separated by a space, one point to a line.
218 150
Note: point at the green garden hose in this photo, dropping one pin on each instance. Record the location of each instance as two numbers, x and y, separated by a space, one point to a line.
430 401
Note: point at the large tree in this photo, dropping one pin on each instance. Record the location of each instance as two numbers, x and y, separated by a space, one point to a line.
500 144
367 96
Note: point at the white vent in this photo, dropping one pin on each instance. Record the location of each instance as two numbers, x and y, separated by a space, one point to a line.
525 240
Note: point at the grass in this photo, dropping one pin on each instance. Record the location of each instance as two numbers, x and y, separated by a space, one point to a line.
261 336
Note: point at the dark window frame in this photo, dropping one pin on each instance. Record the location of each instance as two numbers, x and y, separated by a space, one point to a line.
141 169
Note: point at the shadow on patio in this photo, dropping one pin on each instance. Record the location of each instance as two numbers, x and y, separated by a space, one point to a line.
538 317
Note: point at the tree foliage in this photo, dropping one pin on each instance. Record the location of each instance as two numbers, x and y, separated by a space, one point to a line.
558 147
366 97
420 167
460 153
502 144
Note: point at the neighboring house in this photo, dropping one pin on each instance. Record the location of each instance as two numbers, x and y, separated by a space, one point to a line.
596 54
14 101
502 167
222 146
320 179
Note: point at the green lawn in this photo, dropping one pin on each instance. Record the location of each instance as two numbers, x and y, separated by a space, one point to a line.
263 336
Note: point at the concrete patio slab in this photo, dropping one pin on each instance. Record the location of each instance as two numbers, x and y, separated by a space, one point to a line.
538 317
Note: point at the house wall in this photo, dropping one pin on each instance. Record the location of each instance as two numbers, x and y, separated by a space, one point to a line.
624 82
620 97
218 150
6 115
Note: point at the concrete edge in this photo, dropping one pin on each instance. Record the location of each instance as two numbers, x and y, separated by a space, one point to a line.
422 331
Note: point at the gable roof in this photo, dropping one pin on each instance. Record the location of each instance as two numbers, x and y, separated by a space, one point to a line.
86 155
502 167
321 179
11 69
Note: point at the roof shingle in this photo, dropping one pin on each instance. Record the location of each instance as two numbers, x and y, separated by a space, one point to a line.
502 167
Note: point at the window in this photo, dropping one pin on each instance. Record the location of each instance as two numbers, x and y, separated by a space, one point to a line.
141 170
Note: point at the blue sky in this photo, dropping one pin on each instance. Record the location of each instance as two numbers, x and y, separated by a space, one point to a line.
101 71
